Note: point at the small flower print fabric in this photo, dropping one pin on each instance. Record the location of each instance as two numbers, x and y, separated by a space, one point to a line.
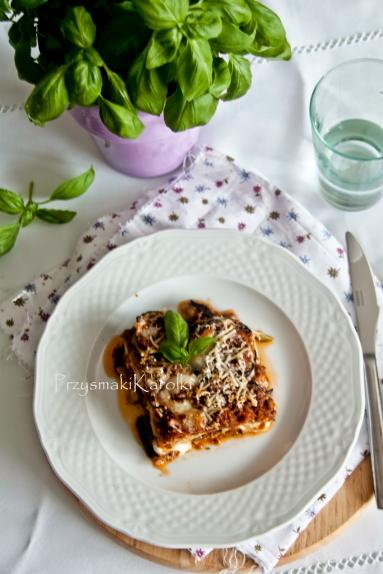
211 192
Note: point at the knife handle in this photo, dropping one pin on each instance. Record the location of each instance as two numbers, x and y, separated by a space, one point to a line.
375 425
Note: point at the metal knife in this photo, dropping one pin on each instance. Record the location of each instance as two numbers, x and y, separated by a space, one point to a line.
367 314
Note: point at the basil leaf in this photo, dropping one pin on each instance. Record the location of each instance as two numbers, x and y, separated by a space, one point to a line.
49 98
31 4
74 187
84 83
177 336
284 52
176 329
78 27
10 202
29 214
173 353
27 68
93 57
198 346
116 90
75 54
55 215
120 120
125 6
163 47
8 236
233 40
238 11
181 115
119 115
240 72
4 10
221 77
147 87
194 68
22 36
270 40
162 14
14 34
169 73
202 24
27 28
23 29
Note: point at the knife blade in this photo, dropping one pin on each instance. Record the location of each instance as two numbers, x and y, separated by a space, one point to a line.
367 315
364 294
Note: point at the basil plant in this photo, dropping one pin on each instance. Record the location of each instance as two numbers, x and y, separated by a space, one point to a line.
176 57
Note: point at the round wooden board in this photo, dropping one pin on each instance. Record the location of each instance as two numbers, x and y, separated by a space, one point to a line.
354 494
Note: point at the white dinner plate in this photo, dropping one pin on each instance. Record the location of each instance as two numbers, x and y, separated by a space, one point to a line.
243 488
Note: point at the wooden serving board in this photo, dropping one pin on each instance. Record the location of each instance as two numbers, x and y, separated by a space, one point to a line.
354 494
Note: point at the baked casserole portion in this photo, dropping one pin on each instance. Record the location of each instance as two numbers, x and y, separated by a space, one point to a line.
219 393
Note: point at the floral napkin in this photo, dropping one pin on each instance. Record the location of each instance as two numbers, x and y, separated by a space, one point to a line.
211 191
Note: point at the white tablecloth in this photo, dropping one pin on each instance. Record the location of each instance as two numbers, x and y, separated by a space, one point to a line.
41 529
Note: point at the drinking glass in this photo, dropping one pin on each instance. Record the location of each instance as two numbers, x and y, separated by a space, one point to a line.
346 113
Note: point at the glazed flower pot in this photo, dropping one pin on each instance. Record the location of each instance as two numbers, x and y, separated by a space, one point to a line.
156 151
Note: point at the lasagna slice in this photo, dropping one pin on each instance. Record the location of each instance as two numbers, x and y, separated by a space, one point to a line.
221 393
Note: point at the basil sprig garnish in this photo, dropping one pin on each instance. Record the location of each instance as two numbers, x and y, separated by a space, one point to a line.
177 348
14 204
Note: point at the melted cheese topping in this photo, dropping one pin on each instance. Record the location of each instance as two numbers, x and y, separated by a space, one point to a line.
215 396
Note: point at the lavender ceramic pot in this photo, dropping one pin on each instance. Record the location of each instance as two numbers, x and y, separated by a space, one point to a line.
156 151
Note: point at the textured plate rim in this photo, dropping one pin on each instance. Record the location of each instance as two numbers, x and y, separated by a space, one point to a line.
99 513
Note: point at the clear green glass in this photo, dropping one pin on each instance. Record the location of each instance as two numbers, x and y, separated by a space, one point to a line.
346 113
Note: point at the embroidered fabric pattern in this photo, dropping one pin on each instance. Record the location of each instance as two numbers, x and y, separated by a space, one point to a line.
360 561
